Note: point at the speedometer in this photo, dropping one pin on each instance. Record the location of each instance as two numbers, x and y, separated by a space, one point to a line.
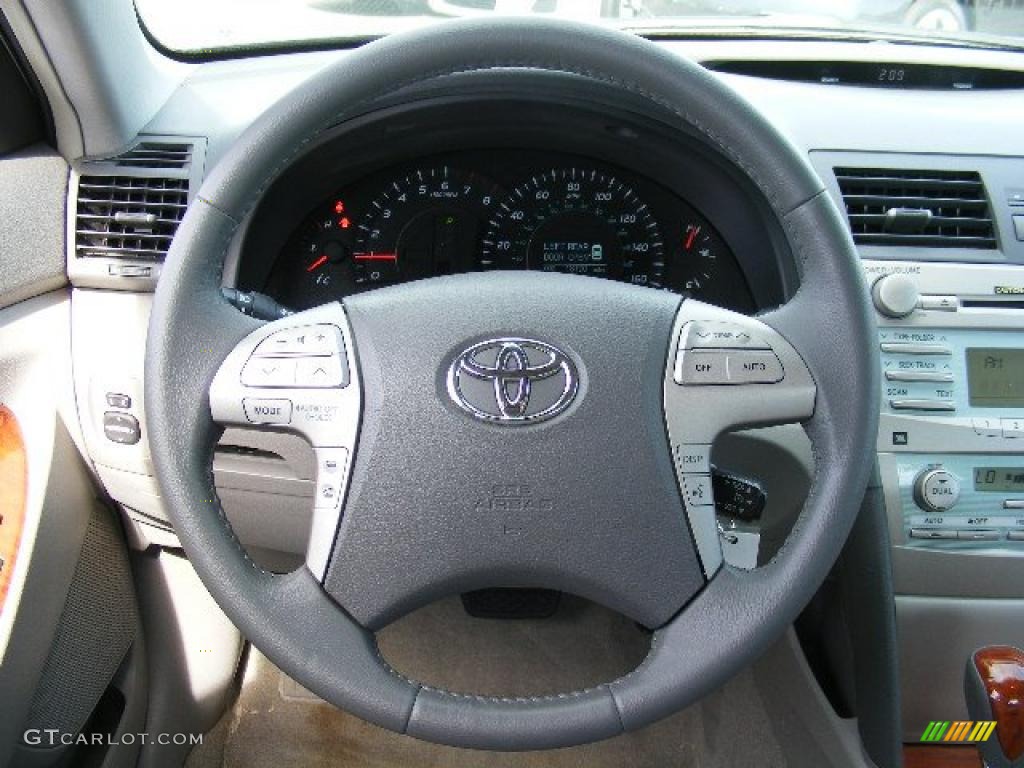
577 220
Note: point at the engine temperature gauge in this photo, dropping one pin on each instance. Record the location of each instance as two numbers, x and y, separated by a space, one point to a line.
701 265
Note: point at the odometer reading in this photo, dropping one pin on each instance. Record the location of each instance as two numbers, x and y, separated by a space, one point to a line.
506 209
576 220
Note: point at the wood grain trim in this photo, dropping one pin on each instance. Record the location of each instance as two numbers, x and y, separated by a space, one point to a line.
931 756
1002 671
13 493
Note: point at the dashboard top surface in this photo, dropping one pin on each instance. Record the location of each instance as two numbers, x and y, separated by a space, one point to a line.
219 99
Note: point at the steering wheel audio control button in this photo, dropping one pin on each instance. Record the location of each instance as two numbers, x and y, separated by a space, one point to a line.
299 373
260 410
269 372
307 341
320 372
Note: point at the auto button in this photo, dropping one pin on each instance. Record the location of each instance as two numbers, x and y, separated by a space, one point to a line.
754 367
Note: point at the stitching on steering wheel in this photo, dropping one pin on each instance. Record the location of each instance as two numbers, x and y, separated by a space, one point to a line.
486 66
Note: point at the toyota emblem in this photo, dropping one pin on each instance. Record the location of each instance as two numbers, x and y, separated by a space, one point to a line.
513 381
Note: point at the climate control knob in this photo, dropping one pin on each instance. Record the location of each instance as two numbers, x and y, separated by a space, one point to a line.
936 490
895 295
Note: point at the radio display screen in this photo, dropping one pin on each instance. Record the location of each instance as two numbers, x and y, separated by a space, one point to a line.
1005 479
995 377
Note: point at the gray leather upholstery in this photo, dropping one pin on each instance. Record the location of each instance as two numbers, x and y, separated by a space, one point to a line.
605 512
727 624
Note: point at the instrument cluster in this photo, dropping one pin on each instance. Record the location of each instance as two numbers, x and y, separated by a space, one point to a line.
505 209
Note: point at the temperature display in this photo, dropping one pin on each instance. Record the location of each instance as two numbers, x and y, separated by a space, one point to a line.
1005 479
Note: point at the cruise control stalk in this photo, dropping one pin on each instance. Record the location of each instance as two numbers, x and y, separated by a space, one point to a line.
255 304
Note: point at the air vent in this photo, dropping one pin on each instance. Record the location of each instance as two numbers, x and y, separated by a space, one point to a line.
930 209
128 217
152 154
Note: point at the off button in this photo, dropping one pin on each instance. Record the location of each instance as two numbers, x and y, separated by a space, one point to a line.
695 366
263 410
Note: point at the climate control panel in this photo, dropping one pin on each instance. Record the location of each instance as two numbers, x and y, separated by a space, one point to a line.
951 401
960 501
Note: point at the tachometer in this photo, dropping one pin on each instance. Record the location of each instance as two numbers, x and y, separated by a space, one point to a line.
577 220
422 225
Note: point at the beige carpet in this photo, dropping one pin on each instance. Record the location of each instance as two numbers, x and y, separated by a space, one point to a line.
276 723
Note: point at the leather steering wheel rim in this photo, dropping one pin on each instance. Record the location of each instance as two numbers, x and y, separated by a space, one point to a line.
735 616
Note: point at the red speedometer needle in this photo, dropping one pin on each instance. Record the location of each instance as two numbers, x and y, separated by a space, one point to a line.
371 256
317 264
691 235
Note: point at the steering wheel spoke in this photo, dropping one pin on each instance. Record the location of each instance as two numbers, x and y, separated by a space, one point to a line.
298 374
724 371
447 499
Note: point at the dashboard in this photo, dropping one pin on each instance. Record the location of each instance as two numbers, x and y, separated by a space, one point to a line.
450 188
505 209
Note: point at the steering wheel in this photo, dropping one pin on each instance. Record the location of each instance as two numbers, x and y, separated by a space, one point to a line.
513 428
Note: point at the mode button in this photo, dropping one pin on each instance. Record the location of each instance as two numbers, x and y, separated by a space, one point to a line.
262 410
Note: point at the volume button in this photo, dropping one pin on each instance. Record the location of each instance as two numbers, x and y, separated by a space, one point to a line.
894 295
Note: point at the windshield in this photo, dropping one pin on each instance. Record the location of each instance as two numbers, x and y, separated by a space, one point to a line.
206 26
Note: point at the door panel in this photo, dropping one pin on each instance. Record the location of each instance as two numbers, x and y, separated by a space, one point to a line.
65 575
35 381
13 479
